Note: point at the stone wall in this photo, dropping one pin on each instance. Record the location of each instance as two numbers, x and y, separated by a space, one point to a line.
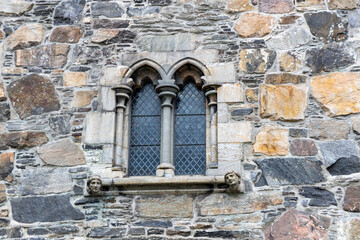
288 116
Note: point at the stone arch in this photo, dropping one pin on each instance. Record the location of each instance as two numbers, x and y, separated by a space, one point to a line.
144 67
190 63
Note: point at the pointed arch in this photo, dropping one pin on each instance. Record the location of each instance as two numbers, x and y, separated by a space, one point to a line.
145 62
188 61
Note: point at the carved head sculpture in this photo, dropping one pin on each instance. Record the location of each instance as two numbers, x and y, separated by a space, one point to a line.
232 178
94 184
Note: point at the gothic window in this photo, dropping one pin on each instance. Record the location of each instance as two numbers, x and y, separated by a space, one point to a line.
145 132
190 131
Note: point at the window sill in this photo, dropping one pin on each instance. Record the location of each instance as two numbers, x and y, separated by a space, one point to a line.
152 184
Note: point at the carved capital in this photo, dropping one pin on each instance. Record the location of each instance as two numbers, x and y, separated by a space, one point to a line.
122 93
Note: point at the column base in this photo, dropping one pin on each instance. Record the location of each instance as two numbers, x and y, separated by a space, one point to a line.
165 170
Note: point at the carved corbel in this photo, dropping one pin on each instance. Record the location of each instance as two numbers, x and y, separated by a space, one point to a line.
94 185
234 182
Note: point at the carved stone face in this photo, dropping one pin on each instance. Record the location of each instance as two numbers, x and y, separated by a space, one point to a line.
95 185
231 179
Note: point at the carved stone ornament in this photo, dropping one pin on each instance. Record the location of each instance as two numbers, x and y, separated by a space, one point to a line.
94 185
234 182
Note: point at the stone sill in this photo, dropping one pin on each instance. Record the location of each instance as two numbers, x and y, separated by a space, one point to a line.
152 184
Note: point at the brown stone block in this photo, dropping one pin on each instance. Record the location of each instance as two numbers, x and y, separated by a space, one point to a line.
66 34
240 5
254 25
282 78
272 141
342 4
27 35
83 98
6 164
23 139
290 62
2 91
276 6
252 95
303 147
309 5
75 79
352 199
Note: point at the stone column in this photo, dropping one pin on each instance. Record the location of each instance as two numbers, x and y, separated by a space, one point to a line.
211 94
122 94
167 91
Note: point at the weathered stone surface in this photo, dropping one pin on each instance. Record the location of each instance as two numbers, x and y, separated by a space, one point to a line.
329 58
62 153
252 95
353 18
107 9
345 166
234 132
223 72
293 37
23 139
27 35
165 207
272 141
282 78
6 164
60 124
291 19
329 129
142 11
13 71
303 147
332 151
15 7
169 43
254 25
69 12
283 171
352 229
104 35
283 102
231 93
239 5
298 133
2 91
256 60
103 232
298 225
356 124
75 79
290 62
228 152
33 95
96 124
341 4
276 6
109 23
238 204
49 56
318 197
41 181
352 199
44 209
338 93
309 5
83 98
4 112
66 34
2 192
326 25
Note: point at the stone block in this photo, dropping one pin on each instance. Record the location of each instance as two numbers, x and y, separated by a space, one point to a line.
252 95
2 91
69 12
318 197
283 102
4 112
104 232
62 153
48 56
276 6
66 34
351 229
13 71
96 125
256 60
254 25
112 75
293 37
303 147
75 79
338 92
60 124
234 132
83 98
329 129
290 62
44 209
294 171
353 18
169 43
329 58
296 224
310 5
22 140
224 167
169 206
15 7
231 93
6 164
107 9
33 95
345 166
223 72
272 141
28 35
352 199
149 11
104 35
239 5
213 204
341 4
42 181
109 23
332 151
2 193
356 124
283 78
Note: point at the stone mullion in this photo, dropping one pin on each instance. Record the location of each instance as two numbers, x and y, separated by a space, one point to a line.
123 93
167 92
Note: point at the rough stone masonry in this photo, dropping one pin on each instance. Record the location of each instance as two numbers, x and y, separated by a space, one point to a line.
288 104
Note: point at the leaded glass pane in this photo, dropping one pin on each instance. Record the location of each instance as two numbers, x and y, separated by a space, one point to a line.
190 131
145 132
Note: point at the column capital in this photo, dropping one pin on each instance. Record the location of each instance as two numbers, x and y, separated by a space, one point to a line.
122 93
210 90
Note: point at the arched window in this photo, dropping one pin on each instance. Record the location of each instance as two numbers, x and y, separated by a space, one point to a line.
145 132
190 131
